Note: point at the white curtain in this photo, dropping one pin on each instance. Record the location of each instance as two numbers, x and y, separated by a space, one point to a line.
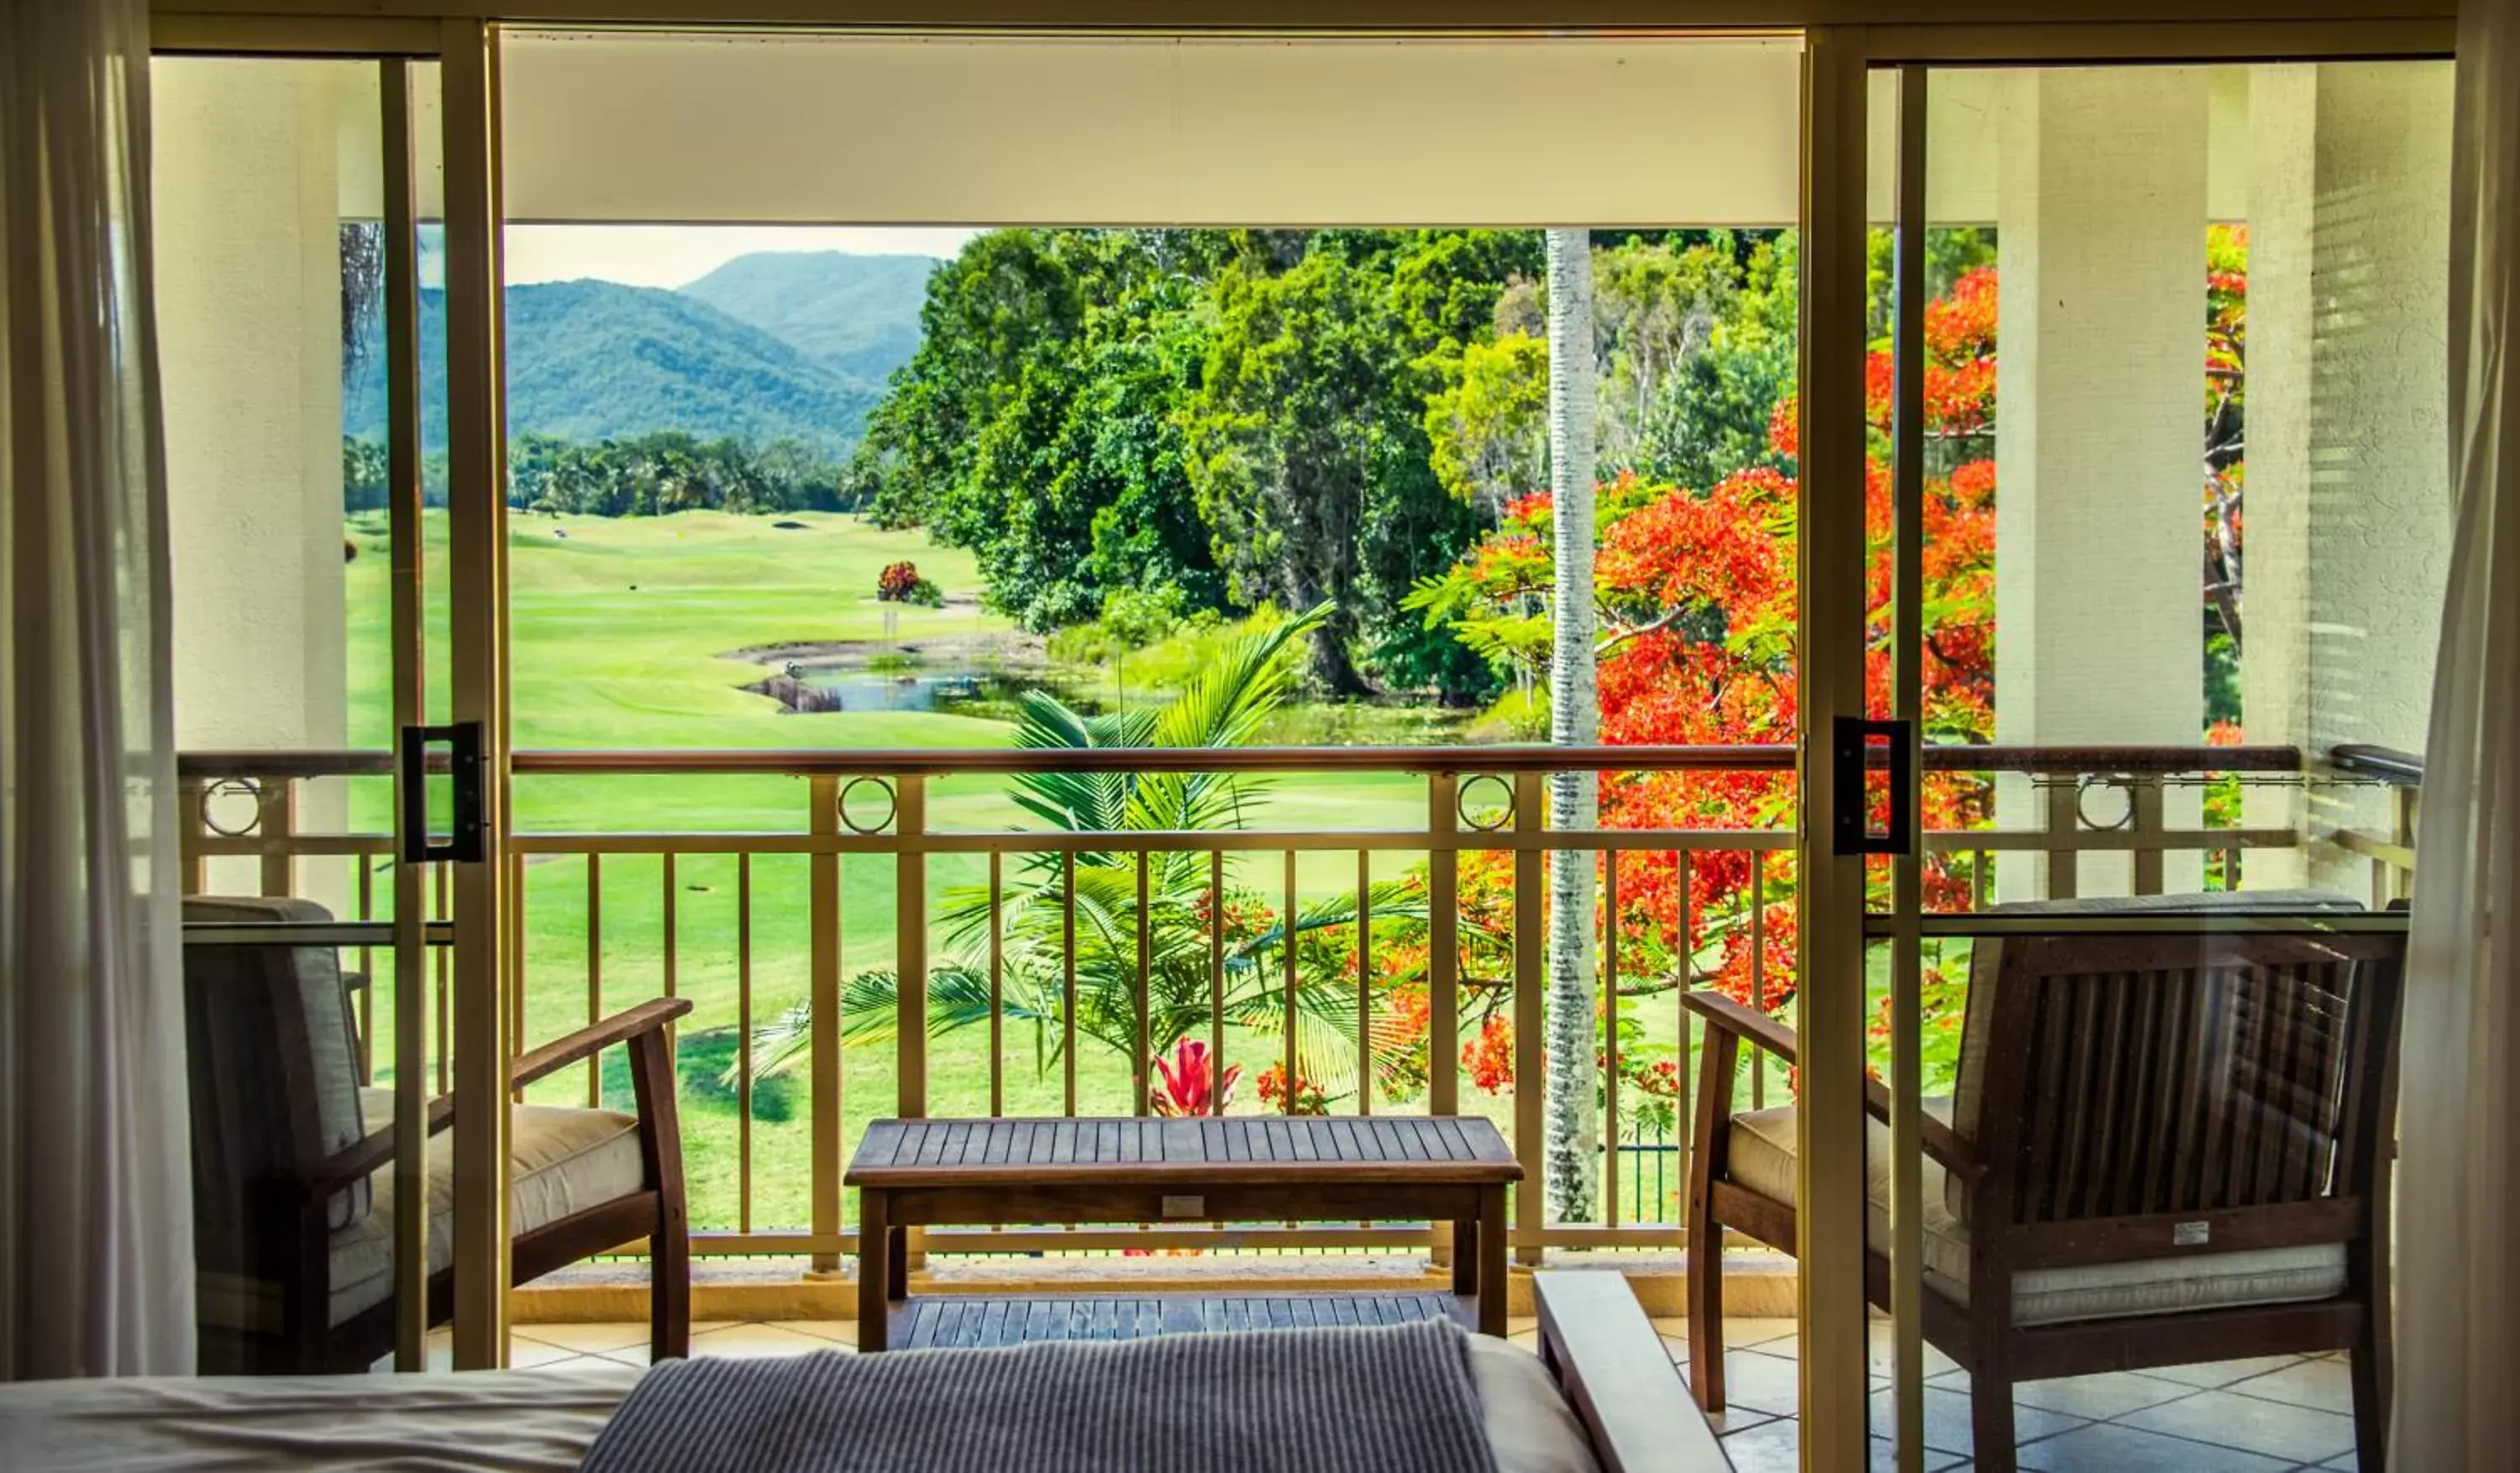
95 1178
2458 1213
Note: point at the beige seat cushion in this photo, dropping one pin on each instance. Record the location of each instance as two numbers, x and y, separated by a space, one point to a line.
565 1162
1761 1160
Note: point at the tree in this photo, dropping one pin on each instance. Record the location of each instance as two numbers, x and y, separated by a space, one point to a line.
1487 428
1572 1146
1037 425
1284 436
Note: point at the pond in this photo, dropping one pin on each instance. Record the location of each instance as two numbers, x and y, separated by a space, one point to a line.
983 691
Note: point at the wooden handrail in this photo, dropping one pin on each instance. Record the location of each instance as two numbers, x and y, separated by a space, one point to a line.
1464 760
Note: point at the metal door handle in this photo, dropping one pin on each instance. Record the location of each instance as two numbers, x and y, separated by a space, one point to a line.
1849 834
463 740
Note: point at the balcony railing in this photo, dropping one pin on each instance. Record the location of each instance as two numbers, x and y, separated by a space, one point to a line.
631 892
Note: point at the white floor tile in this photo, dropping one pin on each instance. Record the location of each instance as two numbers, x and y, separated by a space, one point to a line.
1947 1420
2327 1385
1775 1448
755 1340
1754 1381
1776 1336
2213 1373
2295 1434
2115 1448
585 1338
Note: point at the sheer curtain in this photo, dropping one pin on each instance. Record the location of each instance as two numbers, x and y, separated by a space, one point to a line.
95 1179
2458 1295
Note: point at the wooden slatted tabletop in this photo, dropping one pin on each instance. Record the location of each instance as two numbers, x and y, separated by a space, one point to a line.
898 1153
1206 1169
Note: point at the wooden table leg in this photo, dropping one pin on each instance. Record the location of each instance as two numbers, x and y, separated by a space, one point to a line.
875 1266
1491 1257
1465 1257
896 1259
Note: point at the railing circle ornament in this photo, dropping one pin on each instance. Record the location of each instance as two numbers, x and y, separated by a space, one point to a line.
232 787
849 818
2124 783
1485 820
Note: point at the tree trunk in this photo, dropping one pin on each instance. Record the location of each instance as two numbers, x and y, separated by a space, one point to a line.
1572 1149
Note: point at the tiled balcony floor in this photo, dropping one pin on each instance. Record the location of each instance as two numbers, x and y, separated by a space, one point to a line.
2271 1416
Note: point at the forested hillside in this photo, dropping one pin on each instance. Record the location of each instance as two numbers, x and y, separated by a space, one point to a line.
794 348
857 315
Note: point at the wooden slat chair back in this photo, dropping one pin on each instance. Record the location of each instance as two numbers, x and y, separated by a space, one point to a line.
2173 1085
2163 1148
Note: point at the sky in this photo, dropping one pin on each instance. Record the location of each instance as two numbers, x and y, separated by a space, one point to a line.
673 255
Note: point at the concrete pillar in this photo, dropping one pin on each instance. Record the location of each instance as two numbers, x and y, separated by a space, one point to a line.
246 198
2100 233
2348 503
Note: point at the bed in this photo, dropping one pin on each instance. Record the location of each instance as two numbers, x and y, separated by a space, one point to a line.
1601 1395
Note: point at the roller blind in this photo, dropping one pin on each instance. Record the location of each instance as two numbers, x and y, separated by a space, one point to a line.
787 129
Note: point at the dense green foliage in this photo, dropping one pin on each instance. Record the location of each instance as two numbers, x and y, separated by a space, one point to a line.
1233 419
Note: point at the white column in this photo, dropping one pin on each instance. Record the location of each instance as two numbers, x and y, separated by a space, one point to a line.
2348 501
246 203
2100 234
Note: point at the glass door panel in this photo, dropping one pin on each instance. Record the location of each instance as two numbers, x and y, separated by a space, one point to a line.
2157 381
296 268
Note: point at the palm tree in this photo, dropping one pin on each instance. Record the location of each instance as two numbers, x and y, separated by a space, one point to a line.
1571 1152
1224 706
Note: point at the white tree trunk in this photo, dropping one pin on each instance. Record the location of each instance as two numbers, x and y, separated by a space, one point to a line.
1572 1149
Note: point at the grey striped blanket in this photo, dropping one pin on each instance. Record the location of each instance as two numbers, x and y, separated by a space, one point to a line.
1379 1399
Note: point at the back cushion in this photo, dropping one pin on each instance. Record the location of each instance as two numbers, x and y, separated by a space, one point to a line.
241 998
1986 973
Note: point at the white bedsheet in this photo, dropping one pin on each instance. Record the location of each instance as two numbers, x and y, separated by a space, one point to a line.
514 1421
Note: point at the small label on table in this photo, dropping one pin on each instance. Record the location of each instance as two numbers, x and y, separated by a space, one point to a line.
1184 1207
2191 1234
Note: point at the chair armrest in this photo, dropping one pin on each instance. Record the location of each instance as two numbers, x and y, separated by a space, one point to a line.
1946 1147
1615 1374
1742 1022
592 1039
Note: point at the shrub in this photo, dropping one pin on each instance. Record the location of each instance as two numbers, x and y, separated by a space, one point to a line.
900 583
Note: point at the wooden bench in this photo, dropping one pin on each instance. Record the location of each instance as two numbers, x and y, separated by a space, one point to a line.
1212 1169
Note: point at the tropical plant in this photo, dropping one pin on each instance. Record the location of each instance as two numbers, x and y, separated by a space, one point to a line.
1190 1086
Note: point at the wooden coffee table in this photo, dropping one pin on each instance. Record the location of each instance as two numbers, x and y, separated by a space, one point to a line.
1229 1169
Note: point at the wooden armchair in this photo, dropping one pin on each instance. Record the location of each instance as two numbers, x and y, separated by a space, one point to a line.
2163 1148
292 1191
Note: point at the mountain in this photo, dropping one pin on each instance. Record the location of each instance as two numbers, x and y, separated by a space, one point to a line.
800 352
858 314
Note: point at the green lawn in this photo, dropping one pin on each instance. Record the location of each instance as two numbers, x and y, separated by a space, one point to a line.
619 632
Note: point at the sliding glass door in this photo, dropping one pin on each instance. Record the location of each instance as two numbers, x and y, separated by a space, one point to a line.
2153 562
337 741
